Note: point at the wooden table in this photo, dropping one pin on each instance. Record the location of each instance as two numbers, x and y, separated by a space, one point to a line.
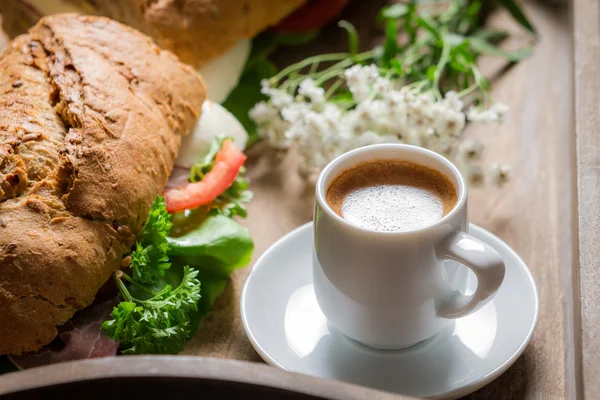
556 174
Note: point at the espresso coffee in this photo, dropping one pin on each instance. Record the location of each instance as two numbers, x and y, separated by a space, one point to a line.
391 196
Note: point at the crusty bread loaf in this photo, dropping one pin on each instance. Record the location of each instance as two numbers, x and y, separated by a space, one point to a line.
195 30
91 117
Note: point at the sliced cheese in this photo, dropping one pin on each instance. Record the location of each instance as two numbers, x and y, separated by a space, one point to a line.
215 121
222 74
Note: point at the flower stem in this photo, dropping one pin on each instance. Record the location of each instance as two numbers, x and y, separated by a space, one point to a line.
309 61
468 90
335 86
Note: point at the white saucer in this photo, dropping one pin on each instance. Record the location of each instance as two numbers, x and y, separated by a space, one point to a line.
286 327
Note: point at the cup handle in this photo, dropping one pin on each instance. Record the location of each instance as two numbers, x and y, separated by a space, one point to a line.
483 260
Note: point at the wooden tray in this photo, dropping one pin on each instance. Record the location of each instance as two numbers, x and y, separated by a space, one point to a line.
163 377
549 213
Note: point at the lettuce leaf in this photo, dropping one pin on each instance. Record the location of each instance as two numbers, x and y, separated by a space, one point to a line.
220 245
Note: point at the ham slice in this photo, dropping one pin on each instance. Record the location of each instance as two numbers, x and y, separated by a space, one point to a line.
79 338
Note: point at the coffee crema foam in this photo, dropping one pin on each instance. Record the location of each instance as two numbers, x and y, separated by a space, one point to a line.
391 196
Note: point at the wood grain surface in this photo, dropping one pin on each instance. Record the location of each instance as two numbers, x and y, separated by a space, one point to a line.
535 213
266 383
586 24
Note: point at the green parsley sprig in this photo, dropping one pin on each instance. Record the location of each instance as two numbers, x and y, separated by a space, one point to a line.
158 325
157 321
149 260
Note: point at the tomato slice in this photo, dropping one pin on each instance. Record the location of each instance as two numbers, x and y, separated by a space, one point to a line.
228 162
312 16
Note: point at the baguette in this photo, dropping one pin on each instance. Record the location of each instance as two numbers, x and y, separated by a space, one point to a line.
195 30
91 117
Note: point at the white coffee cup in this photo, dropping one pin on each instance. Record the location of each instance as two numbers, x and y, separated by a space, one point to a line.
391 290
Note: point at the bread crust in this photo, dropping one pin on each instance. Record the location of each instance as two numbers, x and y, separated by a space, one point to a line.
91 117
195 30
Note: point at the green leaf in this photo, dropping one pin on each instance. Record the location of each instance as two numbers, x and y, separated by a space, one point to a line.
220 245
484 83
212 287
352 36
462 55
232 201
517 13
459 66
490 35
158 325
397 66
342 97
149 260
483 47
390 47
431 72
454 39
473 9
157 226
263 46
247 93
429 25
148 264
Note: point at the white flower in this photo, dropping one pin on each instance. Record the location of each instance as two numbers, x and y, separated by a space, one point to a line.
367 138
394 99
316 123
476 114
475 175
276 132
452 100
315 93
382 86
265 87
380 113
295 112
497 114
359 80
455 123
500 173
359 74
421 105
262 113
501 111
279 98
353 123
370 111
334 116
471 149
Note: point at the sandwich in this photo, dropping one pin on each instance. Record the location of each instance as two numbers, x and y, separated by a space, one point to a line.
227 41
92 116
